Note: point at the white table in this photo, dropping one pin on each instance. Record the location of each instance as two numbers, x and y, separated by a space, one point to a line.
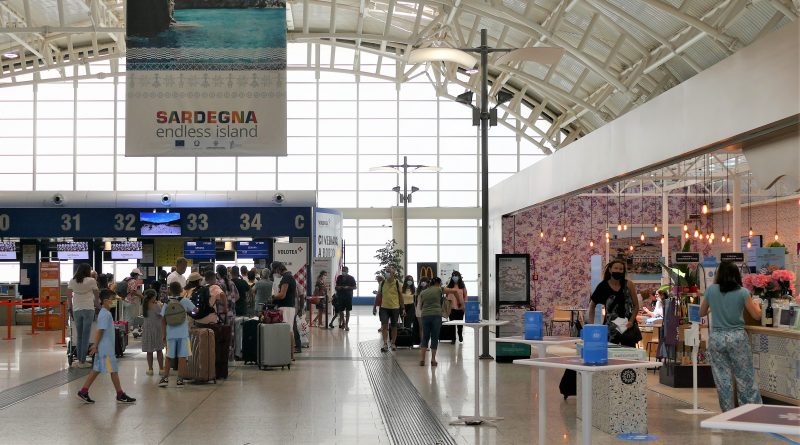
541 349
586 371
476 419
758 418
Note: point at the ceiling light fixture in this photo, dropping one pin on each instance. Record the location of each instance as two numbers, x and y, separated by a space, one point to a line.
10 55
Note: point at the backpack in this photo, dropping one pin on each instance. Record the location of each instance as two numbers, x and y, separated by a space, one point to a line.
200 297
122 287
175 314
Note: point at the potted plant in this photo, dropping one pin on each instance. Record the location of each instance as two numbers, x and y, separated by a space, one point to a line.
390 255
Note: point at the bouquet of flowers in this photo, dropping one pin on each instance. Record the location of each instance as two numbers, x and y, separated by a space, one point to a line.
785 279
770 285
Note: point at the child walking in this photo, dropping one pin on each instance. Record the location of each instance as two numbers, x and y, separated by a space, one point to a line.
152 333
176 332
105 360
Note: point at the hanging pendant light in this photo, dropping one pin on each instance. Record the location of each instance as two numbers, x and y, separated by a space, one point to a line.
696 232
564 220
564 238
655 227
591 243
541 214
685 227
728 206
641 237
630 247
749 243
705 208
686 235
776 212
662 239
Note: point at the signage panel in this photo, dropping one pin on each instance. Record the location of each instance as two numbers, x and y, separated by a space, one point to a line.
199 250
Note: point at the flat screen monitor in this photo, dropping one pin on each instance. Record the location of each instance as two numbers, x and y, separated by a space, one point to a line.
8 250
199 250
160 224
126 250
252 249
73 250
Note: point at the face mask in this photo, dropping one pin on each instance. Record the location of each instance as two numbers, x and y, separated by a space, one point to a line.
456 278
423 285
617 275
409 283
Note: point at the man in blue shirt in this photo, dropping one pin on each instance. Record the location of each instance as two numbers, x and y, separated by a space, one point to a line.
105 359
176 335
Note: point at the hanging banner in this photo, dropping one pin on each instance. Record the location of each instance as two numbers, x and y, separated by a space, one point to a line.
294 256
206 78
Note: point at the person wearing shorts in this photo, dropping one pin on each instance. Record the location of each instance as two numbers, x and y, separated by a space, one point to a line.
176 338
105 359
284 298
391 305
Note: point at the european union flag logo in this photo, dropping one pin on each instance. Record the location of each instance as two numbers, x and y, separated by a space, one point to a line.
179 143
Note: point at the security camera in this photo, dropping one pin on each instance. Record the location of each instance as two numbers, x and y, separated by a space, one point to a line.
58 199
279 198
166 199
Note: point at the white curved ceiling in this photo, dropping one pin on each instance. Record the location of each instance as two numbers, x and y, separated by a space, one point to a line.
618 53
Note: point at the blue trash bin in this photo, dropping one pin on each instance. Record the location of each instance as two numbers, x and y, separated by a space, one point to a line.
472 312
595 344
534 325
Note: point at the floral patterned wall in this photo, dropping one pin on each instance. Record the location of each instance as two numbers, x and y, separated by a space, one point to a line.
561 272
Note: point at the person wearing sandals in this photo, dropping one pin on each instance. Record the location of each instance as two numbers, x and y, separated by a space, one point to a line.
429 304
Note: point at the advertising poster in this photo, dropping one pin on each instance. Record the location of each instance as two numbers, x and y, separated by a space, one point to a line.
49 282
770 258
643 261
427 270
206 78
750 254
294 256
446 271
513 278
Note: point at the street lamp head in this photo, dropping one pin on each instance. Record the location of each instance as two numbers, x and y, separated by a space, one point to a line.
465 98
414 189
396 189
504 96
422 55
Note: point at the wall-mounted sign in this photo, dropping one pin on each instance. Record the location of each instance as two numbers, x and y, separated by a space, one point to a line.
733 257
687 257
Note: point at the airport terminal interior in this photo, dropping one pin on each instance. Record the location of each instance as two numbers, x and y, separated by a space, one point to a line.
400 222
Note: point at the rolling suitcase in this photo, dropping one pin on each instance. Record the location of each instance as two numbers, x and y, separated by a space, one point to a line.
447 333
223 334
250 341
405 338
274 347
238 322
120 339
202 366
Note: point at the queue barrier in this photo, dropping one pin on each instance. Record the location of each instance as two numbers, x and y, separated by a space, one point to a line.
34 305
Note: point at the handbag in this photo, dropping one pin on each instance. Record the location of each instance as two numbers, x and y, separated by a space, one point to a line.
447 306
272 316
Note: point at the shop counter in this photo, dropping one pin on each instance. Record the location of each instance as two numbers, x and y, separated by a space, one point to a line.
776 358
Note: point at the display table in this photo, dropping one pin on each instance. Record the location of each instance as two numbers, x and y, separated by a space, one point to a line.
775 355
476 419
541 350
758 418
586 372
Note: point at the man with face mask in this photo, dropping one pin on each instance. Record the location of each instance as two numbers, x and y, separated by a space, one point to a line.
391 305
345 284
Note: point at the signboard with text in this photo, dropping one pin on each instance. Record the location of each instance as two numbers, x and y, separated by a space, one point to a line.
205 78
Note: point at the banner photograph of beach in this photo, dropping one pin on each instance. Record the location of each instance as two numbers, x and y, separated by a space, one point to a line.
160 224
206 78
206 35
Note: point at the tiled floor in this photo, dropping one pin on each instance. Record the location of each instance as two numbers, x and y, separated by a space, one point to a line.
326 398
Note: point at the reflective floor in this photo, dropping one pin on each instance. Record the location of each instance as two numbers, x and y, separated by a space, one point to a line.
326 398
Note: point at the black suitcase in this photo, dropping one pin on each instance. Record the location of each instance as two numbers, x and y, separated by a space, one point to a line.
250 341
120 340
569 383
405 338
447 333
223 334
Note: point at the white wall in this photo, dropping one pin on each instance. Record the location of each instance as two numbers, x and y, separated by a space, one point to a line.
754 87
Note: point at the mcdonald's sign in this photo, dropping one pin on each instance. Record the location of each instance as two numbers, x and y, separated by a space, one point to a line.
426 270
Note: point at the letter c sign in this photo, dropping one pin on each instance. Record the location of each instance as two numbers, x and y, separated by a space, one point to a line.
299 222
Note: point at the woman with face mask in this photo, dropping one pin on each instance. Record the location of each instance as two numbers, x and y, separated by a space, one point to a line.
409 291
457 299
617 293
